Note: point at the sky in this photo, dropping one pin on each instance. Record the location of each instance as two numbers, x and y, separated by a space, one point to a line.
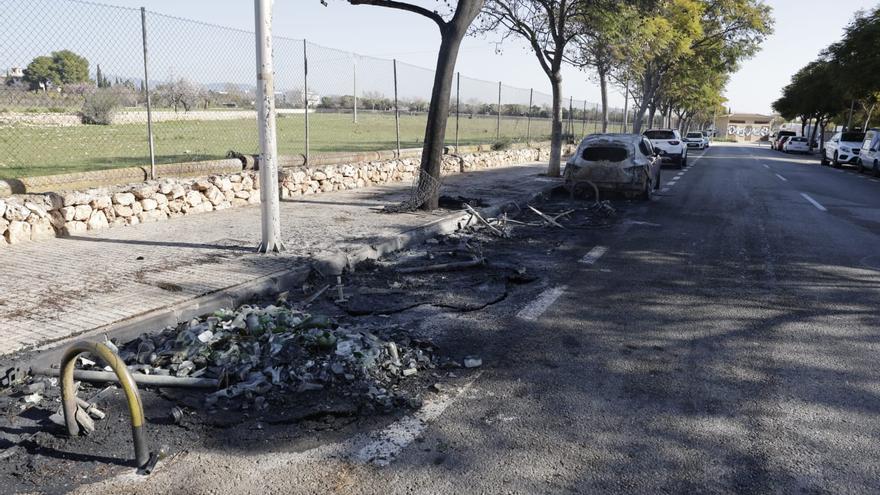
803 28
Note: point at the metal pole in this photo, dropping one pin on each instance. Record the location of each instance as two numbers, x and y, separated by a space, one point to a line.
355 82
584 120
270 209
457 106
149 100
306 94
529 118
570 121
596 127
626 109
498 122
396 110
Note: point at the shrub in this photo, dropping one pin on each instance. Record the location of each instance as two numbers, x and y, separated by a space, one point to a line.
99 107
502 144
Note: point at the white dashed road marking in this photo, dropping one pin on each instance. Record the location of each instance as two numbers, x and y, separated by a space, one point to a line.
671 183
783 179
536 308
814 202
593 256
766 166
665 189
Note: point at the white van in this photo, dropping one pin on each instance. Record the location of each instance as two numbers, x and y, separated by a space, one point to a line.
869 157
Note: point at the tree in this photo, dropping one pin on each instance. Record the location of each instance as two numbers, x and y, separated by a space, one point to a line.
452 32
604 35
71 68
548 27
40 73
62 67
718 33
179 93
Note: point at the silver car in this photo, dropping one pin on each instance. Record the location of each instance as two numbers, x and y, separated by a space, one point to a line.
869 156
625 163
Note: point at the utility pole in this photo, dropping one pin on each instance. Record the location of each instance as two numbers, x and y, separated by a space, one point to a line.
269 207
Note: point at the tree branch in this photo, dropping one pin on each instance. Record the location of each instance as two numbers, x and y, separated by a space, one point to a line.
394 4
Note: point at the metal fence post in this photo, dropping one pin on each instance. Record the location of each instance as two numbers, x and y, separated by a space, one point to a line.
149 100
355 83
584 120
457 106
270 212
306 94
396 110
570 121
498 121
529 117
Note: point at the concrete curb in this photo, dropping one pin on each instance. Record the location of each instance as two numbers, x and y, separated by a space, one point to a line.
331 264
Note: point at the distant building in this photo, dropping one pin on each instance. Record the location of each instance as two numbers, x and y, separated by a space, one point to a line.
744 127
13 75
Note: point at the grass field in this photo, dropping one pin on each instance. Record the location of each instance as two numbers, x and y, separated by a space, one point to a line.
39 150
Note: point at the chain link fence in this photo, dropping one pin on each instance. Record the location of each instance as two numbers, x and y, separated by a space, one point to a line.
76 77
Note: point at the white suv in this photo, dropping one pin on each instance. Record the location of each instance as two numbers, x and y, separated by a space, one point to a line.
669 145
844 147
869 156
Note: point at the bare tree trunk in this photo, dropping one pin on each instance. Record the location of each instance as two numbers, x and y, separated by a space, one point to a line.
603 87
868 118
438 111
556 132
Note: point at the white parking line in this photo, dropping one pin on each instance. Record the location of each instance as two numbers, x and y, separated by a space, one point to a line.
783 179
536 308
594 255
665 189
766 166
814 202
677 177
670 183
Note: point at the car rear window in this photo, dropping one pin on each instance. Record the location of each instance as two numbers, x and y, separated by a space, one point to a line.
850 137
604 154
695 135
786 133
799 139
660 135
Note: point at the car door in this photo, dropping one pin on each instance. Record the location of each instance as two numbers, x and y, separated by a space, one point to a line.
654 160
832 145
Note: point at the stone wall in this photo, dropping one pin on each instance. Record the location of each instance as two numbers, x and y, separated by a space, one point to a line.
33 217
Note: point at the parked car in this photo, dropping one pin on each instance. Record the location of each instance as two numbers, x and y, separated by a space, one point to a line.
797 144
695 140
618 162
670 146
843 147
869 156
774 143
780 143
706 140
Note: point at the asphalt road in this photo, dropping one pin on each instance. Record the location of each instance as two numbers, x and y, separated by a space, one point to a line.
722 338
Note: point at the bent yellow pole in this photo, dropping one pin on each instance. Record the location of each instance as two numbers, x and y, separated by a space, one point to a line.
135 407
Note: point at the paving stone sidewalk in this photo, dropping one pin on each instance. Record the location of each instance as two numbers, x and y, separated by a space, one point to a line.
65 286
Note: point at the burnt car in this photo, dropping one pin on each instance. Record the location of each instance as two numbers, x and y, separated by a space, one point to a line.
625 163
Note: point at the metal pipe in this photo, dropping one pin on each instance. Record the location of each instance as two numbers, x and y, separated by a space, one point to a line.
149 100
354 73
139 378
498 121
457 106
132 397
270 210
397 112
529 118
584 120
306 94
